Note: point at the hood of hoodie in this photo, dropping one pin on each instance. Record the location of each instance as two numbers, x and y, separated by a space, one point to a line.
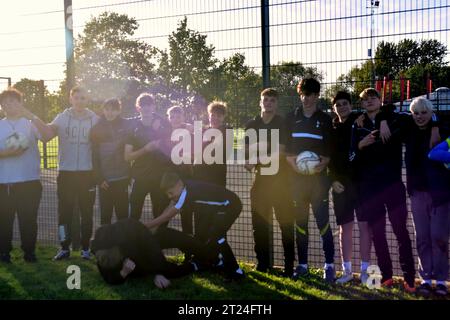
87 114
74 149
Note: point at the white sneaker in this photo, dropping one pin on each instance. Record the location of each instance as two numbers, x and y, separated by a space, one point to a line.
86 254
346 277
364 277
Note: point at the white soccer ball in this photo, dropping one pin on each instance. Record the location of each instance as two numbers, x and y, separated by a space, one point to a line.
17 140
306 162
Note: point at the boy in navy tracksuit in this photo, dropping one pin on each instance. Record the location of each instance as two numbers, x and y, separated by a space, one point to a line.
111 171
310 130
217 209
378 164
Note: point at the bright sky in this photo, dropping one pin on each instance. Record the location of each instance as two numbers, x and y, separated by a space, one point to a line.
330 34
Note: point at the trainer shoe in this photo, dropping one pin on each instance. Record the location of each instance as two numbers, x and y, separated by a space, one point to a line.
30 257
329 275
387 283
300 271
238 275
441 290
346 277
364 277
288 272
262 267
5 258
61 255
424 289
409 287
86 254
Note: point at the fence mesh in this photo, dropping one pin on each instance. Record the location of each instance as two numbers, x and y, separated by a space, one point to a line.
334 40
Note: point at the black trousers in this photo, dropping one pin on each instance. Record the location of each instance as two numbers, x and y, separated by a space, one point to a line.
312 190
269 195
213 224
115 198
170 238
376 197
140 189
73 187
22 198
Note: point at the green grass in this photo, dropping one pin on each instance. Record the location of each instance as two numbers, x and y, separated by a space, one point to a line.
47 280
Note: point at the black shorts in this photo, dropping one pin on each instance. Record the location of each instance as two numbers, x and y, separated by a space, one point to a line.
346 205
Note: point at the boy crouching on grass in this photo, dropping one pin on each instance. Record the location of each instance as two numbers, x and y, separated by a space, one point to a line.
217 209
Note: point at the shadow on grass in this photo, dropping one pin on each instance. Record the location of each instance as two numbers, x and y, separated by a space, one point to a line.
353 290
47 280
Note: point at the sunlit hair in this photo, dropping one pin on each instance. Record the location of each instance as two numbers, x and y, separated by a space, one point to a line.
77 89
113 104
145 99
12 93
217 107
342 95
369 92
308 86
269 92
421 104
176 110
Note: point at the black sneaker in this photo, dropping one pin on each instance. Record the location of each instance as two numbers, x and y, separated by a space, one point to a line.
287 273
30 257
235 276
61 255
5 258
424 289
299 272
262 267
441 290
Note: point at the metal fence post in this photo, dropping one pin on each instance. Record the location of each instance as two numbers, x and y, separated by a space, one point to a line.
265 45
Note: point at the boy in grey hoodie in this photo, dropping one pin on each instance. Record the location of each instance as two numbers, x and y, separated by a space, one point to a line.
75 180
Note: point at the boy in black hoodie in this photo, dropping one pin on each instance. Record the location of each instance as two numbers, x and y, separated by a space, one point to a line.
344 190
428 185
111 171
378 162
127 248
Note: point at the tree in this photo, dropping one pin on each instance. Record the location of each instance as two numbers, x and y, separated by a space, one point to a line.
285 78
239 85
414 60
37 99
108 59
190 61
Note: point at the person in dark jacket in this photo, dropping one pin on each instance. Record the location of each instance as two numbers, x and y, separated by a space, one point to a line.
428 185
344 189
216 172
129 249
111 171
266 194
310 130
217 209
378 164
149 161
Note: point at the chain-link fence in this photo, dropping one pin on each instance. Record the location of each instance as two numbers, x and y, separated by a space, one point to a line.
347 44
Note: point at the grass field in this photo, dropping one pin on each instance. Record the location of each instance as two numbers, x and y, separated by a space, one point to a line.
47 280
